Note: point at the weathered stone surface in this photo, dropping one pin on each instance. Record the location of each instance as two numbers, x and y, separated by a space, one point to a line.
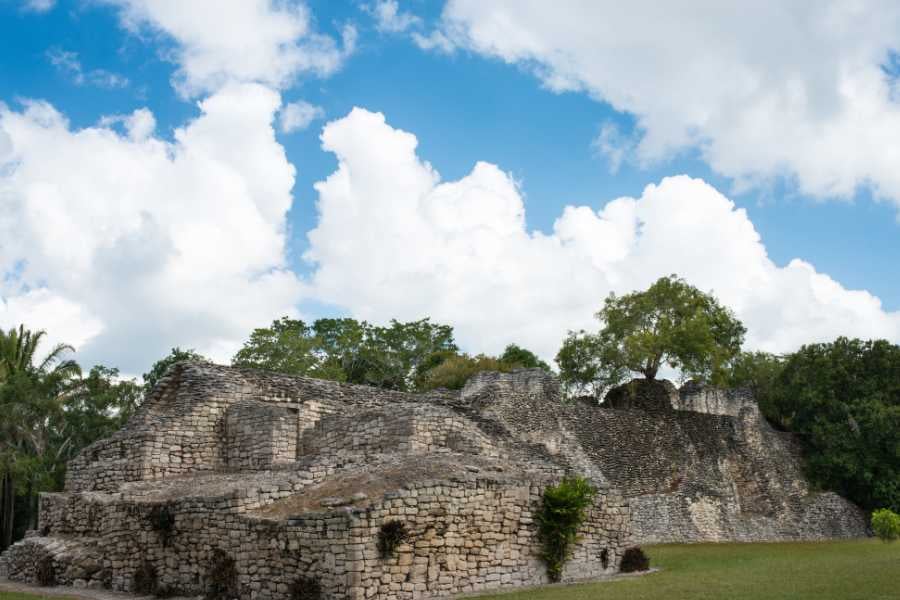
291 477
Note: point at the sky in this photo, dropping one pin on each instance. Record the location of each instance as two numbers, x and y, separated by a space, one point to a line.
178 174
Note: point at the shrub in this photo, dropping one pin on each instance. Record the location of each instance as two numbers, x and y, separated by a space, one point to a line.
633 560
561 514
886 524
306 588
44 571
391 535
222 577
145 581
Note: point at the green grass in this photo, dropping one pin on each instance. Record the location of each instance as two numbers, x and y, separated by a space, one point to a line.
847 570
854 570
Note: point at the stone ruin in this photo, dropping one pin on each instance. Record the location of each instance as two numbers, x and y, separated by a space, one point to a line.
241 483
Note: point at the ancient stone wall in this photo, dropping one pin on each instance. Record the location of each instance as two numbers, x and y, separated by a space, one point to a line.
468 534
181 426
258 435
291 477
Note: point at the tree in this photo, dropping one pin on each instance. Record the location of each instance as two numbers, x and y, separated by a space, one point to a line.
758 372
32 393
671 323
454 371
287 346
586 367
843 401
348 350
519 357
160 367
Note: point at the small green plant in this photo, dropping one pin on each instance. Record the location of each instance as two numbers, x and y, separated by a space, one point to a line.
306 588
633 560
391 535
563 510
886 524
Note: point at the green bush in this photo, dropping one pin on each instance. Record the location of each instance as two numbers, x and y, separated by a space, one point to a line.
562 512
634 560
886 524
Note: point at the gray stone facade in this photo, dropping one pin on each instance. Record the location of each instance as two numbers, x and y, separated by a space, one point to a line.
292 479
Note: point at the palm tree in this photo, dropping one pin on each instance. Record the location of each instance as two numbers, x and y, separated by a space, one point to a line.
31 399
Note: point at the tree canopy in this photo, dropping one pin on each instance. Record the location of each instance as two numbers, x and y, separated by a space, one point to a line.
670 323
843 400
348 350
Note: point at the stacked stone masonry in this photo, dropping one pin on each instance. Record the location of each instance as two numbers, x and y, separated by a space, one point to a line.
293 479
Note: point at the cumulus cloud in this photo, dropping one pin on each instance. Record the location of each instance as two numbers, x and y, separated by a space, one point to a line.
390 19
125 244
221 41
298 115
393 240
805 90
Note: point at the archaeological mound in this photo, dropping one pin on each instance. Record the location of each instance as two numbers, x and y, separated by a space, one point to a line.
239 483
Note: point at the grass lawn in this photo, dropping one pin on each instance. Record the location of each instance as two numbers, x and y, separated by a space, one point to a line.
854 570
847 570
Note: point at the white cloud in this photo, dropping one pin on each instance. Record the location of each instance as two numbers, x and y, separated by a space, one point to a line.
613 145
394 241
126 245
390 19
38 6
68 63
221 41
776 88
298 115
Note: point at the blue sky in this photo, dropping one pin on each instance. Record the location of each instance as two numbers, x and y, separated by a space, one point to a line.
473 101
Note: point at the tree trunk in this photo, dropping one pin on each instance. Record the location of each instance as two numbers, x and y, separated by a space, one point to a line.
7 510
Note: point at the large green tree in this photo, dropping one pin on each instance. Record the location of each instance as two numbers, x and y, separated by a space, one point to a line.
670 323
348 350
843 400
32 396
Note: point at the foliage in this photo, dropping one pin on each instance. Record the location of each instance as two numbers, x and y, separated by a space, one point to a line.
587 368
670 323
521 358
634 560
160 367
563 510
306 588
758 372
390 536
50 412
32 396
454 371
348 350
843 400
886 524
222 577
